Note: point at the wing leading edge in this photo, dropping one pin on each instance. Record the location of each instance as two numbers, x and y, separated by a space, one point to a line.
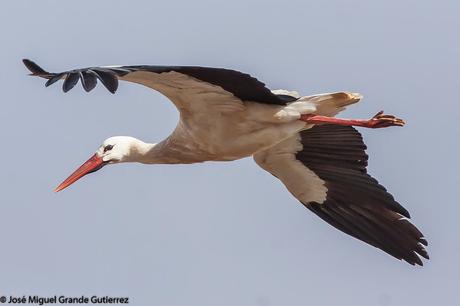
242 86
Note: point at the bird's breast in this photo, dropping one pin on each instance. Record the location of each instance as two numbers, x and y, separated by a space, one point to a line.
229 136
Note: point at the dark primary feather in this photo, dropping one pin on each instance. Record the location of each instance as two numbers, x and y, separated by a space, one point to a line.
54 79
88 80
355 202
108 78
241 85
70 81
34 68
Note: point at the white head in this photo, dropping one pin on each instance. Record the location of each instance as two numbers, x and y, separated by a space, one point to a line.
113 150
120 149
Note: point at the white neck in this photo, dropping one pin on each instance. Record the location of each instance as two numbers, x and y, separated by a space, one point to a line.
165 152
176 149
141 152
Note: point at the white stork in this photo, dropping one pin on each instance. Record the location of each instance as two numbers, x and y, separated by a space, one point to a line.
227 115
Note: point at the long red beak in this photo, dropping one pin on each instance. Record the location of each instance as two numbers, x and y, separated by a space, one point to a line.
93 164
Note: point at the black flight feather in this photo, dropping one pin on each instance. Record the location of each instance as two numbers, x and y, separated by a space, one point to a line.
355 202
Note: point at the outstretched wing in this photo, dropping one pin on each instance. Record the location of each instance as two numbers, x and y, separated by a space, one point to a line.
325 169
183 85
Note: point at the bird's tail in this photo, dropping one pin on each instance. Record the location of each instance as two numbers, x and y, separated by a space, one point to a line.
330 104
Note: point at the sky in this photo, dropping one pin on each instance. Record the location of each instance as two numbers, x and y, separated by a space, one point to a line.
222 233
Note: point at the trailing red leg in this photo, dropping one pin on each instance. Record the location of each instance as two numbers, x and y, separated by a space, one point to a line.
380 120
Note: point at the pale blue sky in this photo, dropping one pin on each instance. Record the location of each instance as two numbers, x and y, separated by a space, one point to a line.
223 233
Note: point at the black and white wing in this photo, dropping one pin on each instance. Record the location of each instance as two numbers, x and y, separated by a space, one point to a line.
325 168
183 85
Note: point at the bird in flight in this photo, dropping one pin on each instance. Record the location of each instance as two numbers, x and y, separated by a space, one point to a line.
227 115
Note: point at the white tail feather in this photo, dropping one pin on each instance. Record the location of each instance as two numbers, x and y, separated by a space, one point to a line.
330 104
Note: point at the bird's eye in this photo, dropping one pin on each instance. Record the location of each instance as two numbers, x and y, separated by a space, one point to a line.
108 148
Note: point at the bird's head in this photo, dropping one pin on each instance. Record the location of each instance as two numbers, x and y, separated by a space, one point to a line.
113 150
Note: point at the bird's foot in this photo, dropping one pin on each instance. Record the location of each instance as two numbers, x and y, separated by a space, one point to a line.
380 120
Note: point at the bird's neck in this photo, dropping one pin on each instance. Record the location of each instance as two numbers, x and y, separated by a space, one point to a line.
153 153
145 153
168 151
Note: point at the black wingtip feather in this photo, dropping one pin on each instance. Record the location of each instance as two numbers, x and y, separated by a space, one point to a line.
70 81
356 203
424 241
107 78
88 80
34 68
88 77
54 79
